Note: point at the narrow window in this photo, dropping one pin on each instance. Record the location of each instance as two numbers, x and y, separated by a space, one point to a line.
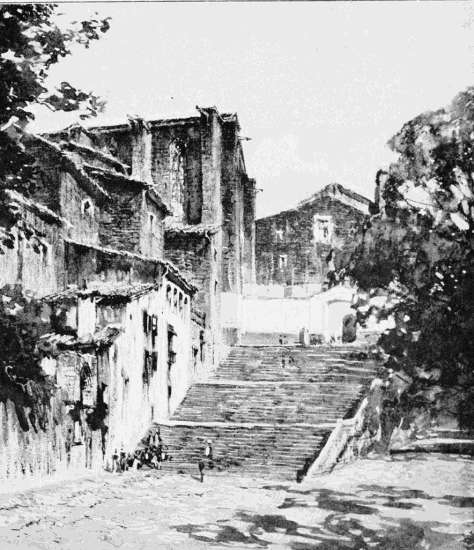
282 262
322 229
175 299
87 208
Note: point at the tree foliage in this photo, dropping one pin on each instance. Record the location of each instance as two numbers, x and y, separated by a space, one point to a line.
31 42
418 251
21 377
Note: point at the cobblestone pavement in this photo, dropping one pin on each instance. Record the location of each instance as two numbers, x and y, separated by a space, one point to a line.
415 502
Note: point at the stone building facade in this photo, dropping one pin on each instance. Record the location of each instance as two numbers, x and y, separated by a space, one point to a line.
131 236
197 165
89 243
296 248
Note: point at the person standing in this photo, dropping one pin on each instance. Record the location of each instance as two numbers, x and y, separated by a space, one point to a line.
115 462
208 454
208 450
68 445
201 469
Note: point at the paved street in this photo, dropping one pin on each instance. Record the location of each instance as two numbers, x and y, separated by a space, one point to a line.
371 504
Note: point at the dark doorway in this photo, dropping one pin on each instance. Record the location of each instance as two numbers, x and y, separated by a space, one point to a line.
349 328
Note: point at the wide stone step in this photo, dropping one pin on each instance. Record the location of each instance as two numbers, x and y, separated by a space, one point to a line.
268 410
270 403
259 448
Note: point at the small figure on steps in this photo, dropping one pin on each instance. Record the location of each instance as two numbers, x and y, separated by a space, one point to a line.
208 454
208 450
201 470
115 462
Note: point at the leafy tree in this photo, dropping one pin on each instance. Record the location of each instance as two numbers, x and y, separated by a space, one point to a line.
31 42
418 251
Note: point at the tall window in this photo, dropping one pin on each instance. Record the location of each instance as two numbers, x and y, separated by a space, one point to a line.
176 179
282 262
323 229
87 208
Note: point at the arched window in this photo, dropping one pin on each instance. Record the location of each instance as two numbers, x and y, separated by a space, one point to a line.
87 208
176 179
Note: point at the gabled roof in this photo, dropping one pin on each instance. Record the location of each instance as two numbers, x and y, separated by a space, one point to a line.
336 189
67 162
337 192
106 158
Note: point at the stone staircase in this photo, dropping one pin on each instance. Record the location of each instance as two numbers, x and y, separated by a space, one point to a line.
268 410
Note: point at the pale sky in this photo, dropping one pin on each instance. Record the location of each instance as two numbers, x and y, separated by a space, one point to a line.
319 87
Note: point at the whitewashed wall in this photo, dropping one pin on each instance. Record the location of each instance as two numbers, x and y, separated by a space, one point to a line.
133 405
287 315
321 314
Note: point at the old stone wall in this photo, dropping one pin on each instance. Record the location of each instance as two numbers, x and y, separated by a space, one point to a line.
95 264
121 221
191 254
211 167
80 210
36 258
286 249
46 189
198 258
197 166
249 232
152 232
103 400
175 148
233 181
60 446
131 221
119 143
